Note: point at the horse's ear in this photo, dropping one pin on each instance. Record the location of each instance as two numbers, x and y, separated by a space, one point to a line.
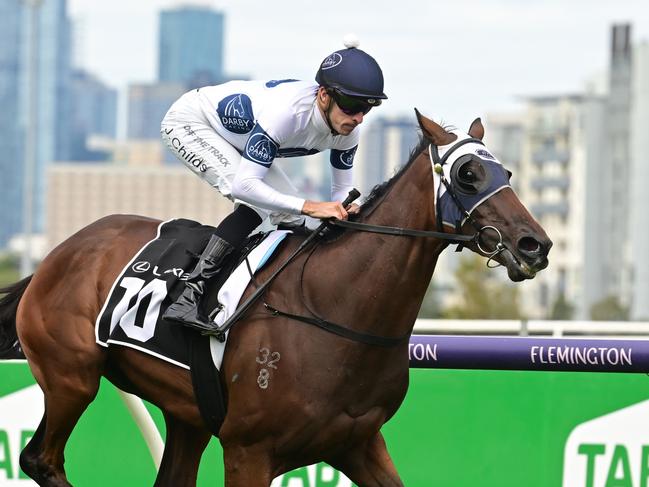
477 129
434 132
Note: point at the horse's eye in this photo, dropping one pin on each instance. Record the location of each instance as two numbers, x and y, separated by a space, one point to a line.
467 174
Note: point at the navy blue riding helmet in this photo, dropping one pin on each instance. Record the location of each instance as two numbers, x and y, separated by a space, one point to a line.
354 73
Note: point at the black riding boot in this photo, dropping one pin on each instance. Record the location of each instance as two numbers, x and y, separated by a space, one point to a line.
186 308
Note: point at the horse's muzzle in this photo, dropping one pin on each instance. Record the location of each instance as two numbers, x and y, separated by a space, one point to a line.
534 251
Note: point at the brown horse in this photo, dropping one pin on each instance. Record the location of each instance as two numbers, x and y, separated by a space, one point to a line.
326 396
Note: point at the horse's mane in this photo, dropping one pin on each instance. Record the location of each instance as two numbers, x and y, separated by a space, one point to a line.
380 189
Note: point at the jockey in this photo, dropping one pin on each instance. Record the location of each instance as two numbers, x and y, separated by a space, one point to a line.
230 134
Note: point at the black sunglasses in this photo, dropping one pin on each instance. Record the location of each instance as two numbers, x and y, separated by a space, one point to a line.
350 105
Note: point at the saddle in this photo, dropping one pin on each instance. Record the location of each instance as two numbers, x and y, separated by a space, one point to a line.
150 282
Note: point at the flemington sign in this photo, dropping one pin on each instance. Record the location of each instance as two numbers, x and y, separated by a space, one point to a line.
533 354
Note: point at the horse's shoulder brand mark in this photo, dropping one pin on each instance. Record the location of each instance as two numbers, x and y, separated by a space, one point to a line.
263 379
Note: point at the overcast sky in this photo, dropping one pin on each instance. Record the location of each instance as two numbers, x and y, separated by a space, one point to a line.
454 60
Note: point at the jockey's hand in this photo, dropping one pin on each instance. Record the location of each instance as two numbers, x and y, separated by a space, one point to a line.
324 209
353 209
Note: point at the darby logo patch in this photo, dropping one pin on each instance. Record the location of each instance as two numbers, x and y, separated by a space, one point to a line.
235 113
261 148
485 154
331 61
347 157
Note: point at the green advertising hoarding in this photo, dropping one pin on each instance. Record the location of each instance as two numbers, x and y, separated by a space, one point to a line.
455 429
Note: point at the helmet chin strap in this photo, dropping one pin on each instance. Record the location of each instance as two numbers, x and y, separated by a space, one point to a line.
327 113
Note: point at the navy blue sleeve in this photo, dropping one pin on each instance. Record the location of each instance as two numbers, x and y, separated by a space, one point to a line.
342 159
260 147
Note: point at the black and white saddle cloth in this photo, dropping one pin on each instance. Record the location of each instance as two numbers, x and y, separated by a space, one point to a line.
154 279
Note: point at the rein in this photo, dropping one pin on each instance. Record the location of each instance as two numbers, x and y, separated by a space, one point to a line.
346 332
343 331
398 231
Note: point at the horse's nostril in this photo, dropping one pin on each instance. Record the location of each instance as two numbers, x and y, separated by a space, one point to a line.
529 245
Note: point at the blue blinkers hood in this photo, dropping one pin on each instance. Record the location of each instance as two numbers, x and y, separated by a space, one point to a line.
455 206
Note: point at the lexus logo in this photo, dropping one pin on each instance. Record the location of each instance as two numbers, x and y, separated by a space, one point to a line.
141 266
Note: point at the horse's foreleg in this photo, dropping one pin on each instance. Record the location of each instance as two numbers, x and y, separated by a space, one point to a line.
368 464
247 467
184 447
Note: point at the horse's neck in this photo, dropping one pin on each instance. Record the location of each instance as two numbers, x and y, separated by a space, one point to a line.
409 203
394 271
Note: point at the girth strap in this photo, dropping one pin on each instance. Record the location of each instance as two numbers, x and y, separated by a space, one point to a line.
348 333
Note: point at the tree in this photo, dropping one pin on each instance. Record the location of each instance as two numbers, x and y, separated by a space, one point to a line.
8 270
431 307
483 294
609 309
562 309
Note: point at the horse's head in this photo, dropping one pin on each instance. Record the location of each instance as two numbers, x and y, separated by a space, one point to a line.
473 195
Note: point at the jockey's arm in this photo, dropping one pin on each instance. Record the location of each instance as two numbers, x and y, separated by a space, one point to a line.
249 186
342 176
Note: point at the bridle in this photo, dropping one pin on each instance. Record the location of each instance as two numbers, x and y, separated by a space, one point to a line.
438 167
438 163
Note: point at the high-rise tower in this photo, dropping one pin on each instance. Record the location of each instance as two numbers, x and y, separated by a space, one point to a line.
191 46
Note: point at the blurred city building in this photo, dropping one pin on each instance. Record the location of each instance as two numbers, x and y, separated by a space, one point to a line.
616 259
12 60
94 114
504 135
581 174
561 182
53 71
639 177
191 46
82 193
185 62
385 147
147 106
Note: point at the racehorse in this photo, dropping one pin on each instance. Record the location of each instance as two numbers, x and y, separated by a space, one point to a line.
324 397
